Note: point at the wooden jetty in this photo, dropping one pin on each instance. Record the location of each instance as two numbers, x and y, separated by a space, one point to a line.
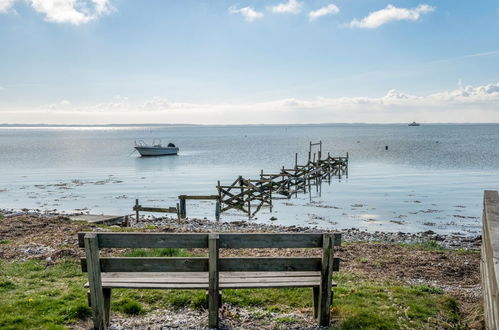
250 195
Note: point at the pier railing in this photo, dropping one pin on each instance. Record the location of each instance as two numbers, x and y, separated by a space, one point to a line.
489 266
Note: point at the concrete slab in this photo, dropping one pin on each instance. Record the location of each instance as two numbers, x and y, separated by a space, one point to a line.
100 219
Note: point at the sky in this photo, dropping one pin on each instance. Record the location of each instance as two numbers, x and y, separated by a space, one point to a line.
248 61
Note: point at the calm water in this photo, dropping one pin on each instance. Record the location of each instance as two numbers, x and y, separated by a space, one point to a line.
431 177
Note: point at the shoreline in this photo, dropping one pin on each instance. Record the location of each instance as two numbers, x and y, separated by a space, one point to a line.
351 235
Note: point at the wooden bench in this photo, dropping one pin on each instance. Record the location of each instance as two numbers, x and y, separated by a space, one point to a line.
213 273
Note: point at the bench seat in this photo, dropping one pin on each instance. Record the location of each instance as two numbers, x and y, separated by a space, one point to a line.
199 280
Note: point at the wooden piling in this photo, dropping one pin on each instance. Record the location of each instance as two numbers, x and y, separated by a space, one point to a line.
137 207
182 210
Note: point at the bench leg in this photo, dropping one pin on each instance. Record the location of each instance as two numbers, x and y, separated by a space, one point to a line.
315 291
326 282
107 305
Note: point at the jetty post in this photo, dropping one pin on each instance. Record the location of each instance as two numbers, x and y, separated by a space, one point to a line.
137 208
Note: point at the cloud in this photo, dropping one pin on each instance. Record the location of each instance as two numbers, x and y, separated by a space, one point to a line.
464 104
5 5
60 105
290 7
324 11
74 12
248 13
2 89
391 13
71 11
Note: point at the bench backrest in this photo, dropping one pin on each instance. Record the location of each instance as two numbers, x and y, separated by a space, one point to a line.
95 241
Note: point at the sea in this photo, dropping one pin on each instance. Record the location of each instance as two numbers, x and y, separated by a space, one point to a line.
400 178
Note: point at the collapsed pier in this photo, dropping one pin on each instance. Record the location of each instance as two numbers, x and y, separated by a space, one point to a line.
250 195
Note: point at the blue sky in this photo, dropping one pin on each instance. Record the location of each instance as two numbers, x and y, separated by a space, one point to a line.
101 61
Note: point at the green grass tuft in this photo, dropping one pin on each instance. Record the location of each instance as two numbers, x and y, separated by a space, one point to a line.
7 285
78 312
430 245
129 306
162 252
5 241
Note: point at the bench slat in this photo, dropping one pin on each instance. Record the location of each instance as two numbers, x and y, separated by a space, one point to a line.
253 241
247 264
262 264
235 280
194 286
153 275
200 240
205 280
148 240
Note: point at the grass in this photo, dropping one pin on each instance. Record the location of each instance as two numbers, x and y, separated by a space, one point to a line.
164 252
53 297
429 245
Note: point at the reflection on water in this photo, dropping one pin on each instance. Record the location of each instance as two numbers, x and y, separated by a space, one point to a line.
431 177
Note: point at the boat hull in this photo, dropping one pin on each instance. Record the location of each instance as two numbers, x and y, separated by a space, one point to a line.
157 151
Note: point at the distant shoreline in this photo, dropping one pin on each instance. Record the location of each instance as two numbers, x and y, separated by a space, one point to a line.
230 125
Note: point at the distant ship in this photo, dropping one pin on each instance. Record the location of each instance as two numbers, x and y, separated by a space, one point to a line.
414 124
156 149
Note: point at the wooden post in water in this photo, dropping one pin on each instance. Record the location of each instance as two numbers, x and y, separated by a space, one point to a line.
270 196
218 209
137 206
178 213
296 161
183 211
347 166
329 168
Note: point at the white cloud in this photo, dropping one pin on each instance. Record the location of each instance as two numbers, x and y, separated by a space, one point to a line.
2 88
391 13
290 7
60 105
465 104
74 12
248 13
71 11
5 5
324 11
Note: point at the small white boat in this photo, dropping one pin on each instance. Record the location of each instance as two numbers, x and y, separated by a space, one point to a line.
156 149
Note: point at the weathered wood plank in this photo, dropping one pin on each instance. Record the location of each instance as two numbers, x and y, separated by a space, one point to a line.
489 266
315 300
149 240
155 209
213 289
198 197
270 264
204 286
325 286
240 241
192 280
150 264
95 283
161 275
107 304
